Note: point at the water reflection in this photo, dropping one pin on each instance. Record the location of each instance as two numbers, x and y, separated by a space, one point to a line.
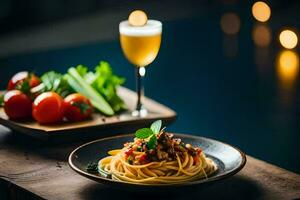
261 35
287 66
288 39
230 25
261 11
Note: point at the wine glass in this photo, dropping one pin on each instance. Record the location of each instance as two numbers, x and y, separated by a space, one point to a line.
140 44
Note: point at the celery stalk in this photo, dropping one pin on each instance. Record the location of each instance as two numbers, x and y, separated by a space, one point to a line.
79 85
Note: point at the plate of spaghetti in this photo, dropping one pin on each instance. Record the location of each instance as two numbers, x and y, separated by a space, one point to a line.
154 159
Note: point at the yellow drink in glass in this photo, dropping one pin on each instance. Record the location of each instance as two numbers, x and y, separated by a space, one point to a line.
140 50
140 45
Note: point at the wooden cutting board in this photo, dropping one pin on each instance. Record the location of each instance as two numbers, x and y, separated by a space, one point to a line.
98 126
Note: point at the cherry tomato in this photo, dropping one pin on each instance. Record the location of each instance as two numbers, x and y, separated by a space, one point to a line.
34 81
77 107
20 77
48 107
17 105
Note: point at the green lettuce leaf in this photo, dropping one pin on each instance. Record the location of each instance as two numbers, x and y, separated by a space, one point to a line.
106 83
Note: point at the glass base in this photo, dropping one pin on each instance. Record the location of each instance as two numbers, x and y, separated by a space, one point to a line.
140 113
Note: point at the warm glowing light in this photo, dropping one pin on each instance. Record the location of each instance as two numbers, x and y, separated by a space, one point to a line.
288 39
261 35
142 71
230 23
261 11
288 67
137 18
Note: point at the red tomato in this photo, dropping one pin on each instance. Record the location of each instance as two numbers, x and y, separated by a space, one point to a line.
48 107
198 150
34 81
77 107
128 152
20 77
196 160
17 105
143 158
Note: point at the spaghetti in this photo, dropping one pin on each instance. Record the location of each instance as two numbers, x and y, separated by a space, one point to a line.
166 161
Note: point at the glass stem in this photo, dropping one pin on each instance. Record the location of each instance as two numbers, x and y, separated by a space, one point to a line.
140 74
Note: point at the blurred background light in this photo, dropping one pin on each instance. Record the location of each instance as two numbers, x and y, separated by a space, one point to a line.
288 39
288 67
261 11
261 35
230 23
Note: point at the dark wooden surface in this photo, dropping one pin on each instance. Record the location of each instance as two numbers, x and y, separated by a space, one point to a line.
30 169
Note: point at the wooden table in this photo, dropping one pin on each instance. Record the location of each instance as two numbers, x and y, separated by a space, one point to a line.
30 169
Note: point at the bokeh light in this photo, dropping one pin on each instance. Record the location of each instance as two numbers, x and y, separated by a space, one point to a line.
261 11
142 71
288 39
230 23
261 35
288 67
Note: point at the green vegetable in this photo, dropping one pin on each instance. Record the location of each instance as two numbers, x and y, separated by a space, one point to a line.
92 167
143 133
24 86
155 126
77 82
74 84
130 160
83 107
100 86
152 142
106 83
150 133
53 81
1 100
82 70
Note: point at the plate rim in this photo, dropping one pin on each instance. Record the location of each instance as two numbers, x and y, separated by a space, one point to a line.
200 181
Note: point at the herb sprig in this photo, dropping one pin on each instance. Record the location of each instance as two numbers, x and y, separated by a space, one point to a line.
92 167
150 133
1 100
